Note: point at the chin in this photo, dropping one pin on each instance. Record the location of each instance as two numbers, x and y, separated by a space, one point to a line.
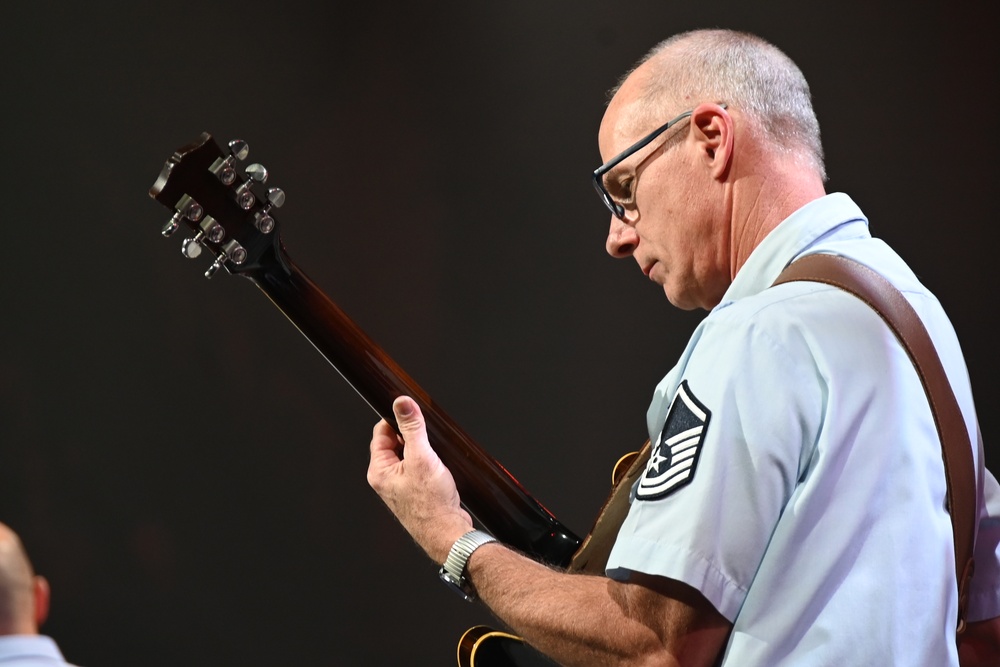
684 302
677 301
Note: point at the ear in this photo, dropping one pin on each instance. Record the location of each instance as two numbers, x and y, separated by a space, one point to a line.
42 593
712 130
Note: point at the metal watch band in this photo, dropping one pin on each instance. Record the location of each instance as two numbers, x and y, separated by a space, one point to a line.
453 570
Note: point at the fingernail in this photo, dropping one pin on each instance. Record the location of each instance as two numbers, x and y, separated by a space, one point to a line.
404 408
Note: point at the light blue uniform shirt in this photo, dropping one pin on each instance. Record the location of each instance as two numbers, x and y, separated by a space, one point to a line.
30 651
800 485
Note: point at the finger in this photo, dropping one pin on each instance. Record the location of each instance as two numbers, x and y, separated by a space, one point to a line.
411 423
383 437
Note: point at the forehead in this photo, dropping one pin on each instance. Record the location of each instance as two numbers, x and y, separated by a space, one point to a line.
626 119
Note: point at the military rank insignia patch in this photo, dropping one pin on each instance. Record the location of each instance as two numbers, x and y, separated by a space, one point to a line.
673 461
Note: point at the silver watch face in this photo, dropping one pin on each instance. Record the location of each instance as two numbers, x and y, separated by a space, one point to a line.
457 584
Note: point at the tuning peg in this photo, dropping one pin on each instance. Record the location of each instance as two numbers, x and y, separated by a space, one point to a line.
276 196
209 230
212 230
239 149
186 208
172 224
262 219
256 173
191 247
224 169
230 252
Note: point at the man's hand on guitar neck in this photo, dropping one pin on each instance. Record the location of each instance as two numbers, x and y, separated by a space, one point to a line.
413 482
576 619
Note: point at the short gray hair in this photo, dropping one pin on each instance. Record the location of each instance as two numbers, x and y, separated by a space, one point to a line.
746 72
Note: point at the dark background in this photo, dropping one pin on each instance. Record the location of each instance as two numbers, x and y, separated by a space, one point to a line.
183 465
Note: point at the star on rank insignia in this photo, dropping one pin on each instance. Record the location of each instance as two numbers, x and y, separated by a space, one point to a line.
673 461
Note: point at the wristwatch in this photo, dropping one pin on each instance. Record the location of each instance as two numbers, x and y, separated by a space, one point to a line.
453 570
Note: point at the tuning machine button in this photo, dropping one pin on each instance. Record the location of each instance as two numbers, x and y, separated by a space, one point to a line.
191 247
256 173
276 197
186 208
225 168
262 219
172 224
231 251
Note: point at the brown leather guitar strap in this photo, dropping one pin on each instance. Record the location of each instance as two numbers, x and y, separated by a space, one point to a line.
956 448
593 553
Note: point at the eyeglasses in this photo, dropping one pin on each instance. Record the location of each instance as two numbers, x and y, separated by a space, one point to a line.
615 207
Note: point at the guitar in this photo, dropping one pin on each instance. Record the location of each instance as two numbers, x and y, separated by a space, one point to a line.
482 646
232 216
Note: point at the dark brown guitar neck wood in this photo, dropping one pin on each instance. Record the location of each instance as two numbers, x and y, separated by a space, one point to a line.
489 492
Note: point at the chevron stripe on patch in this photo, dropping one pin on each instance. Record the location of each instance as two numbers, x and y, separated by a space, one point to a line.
673 462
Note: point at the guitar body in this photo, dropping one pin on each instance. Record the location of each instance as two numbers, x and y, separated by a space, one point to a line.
482 646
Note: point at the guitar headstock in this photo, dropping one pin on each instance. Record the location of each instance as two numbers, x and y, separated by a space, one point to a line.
227 207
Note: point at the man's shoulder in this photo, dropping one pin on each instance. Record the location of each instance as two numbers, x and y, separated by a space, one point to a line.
804 302
29 651
785 310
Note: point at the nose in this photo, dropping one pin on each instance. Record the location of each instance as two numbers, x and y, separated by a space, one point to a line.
622 238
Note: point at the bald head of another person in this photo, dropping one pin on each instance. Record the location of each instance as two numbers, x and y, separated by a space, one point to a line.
24 596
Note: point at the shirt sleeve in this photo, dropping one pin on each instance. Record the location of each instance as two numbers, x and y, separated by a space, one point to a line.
984 594
746 403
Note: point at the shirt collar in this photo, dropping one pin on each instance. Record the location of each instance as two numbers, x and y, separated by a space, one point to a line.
23 646
832 216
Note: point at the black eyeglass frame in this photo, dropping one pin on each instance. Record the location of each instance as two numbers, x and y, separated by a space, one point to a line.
617 209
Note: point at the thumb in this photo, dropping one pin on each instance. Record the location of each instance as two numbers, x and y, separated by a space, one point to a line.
409 419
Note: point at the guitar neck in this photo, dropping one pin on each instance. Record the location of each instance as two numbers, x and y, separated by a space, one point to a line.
488 491
233 219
